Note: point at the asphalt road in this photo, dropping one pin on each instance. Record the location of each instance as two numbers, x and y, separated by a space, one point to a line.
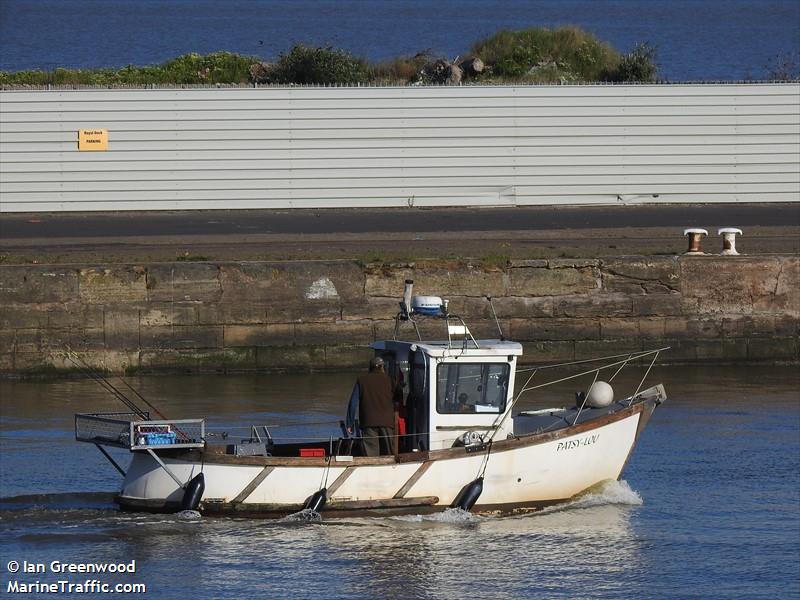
369 221
388 234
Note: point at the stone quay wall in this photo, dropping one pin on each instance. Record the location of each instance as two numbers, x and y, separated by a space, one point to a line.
242 316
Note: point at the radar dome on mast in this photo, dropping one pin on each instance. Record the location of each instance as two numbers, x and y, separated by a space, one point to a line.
427 305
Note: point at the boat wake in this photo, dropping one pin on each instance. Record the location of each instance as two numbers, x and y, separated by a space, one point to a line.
449 516
605 493
609 492
188 515
59 501
76 507
75 510
304 515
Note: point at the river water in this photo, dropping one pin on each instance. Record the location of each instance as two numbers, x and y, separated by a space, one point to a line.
709 505
695 39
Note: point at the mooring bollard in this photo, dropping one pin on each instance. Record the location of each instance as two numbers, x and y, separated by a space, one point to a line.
695 238
729 240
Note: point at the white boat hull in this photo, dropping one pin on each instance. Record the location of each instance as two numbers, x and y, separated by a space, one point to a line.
525 472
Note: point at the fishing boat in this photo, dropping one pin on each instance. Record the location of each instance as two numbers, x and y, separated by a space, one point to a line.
460 443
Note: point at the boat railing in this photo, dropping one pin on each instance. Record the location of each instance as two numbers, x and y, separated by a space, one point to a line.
458 333
135 431
616 362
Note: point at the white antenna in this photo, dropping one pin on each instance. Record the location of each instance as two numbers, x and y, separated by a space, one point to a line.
496 320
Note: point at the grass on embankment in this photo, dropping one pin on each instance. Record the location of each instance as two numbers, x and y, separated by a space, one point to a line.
218 67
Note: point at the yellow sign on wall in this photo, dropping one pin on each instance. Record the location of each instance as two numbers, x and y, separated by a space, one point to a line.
93 140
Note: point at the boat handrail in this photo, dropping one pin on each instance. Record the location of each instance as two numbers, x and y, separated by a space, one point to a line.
630 358
632 355
451 330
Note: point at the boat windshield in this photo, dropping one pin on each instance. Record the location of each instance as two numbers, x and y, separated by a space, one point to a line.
471 387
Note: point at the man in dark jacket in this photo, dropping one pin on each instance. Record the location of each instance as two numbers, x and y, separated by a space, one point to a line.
373 400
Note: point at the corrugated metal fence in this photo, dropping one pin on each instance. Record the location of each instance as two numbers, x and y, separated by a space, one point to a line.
204 148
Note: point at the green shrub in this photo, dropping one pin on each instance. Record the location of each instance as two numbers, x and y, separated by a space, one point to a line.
638 65
218 67
542 55
320 66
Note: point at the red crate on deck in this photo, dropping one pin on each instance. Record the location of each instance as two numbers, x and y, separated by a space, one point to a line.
312 452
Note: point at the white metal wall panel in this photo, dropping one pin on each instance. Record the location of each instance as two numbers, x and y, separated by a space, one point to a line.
202 148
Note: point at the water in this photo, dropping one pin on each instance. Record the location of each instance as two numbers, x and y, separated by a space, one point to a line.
696 39
709 506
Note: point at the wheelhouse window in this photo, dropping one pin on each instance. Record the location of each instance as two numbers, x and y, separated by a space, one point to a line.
465 388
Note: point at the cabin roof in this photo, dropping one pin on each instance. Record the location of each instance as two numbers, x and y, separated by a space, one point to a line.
443 348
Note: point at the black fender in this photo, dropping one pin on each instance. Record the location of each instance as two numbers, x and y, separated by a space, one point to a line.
468 495
193 492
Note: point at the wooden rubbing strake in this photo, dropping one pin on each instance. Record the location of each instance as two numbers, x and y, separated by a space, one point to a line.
413 479
337 483
251 487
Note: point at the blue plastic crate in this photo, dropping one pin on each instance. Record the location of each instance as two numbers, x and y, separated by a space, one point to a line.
159 439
